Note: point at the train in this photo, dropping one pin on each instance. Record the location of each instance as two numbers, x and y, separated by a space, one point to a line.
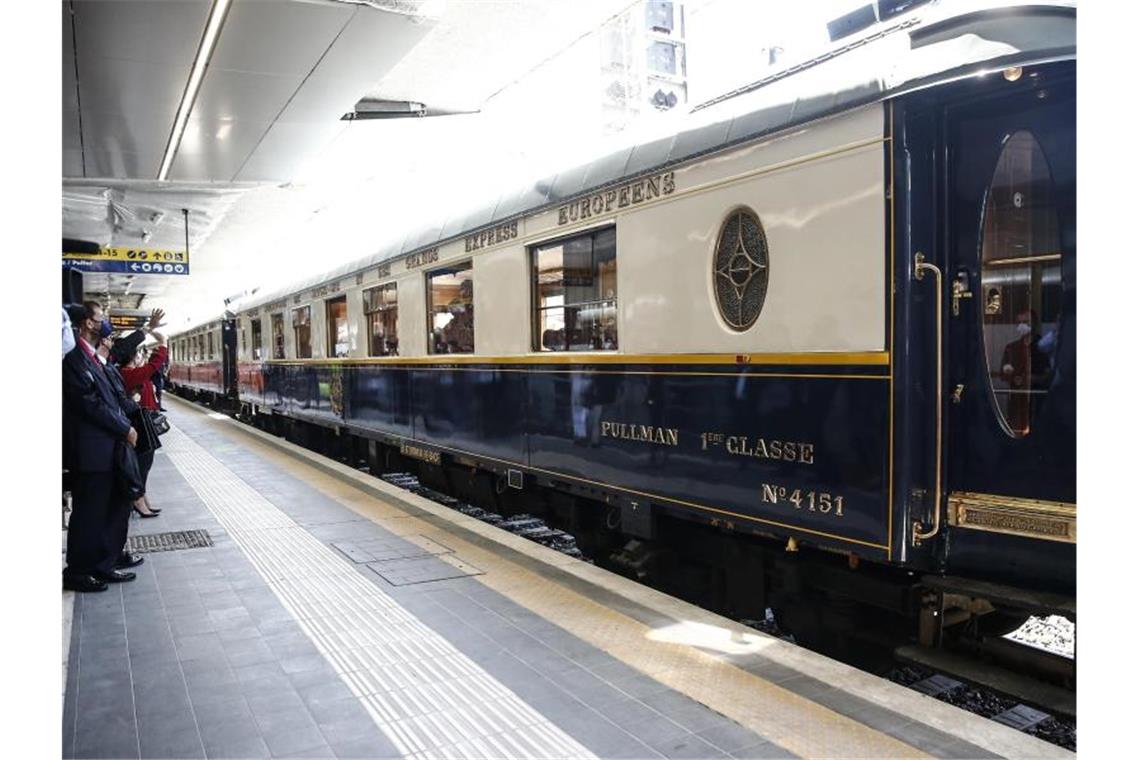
811 349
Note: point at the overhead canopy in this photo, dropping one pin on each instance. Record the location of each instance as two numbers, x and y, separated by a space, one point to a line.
280 75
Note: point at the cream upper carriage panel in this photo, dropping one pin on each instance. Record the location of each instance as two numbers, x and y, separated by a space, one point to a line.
502 302
819 195
411 319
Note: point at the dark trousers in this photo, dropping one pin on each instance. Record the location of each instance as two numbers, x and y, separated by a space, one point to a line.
145 461
122 518
96 510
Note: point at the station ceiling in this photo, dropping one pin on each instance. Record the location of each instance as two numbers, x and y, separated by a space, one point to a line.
279 78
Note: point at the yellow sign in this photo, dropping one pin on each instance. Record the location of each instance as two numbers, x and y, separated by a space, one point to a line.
134 254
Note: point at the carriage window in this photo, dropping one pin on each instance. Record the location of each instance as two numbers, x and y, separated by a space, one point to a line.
451 310
302 332
209 345
255 330
575 287
336 312
278 328
1021 282
380 310
659 16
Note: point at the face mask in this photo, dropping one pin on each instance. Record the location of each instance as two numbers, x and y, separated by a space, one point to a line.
1023 329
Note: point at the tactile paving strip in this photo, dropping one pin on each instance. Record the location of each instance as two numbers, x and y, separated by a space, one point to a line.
426 696
169 541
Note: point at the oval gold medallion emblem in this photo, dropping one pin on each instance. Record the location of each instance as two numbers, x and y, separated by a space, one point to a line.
740 269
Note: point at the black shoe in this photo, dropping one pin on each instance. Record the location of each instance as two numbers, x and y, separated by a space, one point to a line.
161 408
126 559
116 576
83 583
151 513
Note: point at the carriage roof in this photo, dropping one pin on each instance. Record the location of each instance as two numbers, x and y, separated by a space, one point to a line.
931 46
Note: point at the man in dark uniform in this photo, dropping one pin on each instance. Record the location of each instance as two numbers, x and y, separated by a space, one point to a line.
121 518
93 423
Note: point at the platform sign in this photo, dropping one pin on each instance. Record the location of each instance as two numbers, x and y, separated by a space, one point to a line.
130 261
128 322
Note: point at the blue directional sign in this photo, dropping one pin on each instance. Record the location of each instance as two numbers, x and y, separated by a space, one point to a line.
130 261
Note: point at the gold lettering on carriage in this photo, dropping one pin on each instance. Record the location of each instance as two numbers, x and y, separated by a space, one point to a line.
638 191
759 447
642 433
497 234
413 260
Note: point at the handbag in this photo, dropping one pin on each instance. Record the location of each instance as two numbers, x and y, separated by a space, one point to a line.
161 424
148 436
128 479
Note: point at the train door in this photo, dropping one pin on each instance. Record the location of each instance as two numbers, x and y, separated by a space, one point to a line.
1009 238
229 358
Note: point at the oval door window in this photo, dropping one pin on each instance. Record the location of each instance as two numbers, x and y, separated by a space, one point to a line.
1021 282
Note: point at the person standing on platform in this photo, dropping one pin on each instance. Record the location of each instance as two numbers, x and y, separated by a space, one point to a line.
94 423
144 450
125 347
137 378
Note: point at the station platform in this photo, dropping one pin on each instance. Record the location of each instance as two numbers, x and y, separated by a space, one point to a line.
331 614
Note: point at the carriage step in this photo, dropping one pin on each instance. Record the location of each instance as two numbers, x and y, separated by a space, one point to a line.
1033 602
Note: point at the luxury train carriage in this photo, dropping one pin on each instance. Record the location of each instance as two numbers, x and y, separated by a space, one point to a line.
831 318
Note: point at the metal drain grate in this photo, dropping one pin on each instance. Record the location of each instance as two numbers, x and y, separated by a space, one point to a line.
169 542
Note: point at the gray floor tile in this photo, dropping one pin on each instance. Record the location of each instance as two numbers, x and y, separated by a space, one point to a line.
287 719
639 686
644 723
578 681
763 751
190 625
106 733
347 727
248 652
265 685
289 742
680 709
162 700
688 745
234 739
339 711
265 704
364 748
170 740
201 694
259 671
324 751
729 736
308 661
204 646
212 712
332 689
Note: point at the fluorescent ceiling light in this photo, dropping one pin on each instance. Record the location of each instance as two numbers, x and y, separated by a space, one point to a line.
205 50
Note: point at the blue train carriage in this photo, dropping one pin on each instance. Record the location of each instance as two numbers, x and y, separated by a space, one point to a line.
836 309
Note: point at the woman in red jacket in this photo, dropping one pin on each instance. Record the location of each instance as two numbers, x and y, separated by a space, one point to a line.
137 378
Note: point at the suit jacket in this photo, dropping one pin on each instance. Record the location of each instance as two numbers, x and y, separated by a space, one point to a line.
92 414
